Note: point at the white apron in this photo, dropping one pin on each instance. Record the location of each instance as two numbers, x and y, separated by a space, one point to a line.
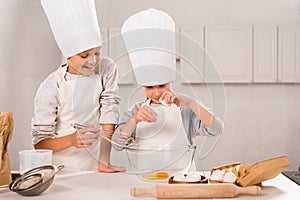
163 144
79 103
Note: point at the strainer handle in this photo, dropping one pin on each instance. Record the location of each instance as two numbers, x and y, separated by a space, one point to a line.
58 168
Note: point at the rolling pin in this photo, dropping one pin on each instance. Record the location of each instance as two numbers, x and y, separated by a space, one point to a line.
192 191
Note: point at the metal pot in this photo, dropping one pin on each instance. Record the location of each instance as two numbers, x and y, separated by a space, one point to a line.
34 181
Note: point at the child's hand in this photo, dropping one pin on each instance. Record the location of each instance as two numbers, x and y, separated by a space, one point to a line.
145 113
170 98
84 137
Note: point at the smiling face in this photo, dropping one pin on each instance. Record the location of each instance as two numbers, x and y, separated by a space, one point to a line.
154 92
85 62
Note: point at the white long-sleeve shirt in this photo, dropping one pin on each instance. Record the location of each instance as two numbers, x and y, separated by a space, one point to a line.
191 123
46 101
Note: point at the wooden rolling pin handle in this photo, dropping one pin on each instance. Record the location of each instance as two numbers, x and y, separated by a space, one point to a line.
142 191
253 190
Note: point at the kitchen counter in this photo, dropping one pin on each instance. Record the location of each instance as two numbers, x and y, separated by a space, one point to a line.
93 185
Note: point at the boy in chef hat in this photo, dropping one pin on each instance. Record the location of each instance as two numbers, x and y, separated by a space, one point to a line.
84 90
149 36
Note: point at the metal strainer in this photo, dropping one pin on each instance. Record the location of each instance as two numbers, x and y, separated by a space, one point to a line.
34 181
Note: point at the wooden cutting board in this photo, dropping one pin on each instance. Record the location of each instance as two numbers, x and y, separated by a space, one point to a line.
192 191
263 170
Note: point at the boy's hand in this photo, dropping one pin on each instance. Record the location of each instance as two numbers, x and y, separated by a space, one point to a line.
85 137
145 113
170 98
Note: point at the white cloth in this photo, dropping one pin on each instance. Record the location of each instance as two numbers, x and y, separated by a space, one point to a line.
149 37
74 25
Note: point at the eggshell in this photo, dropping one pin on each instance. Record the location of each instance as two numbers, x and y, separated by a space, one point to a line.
229 177
235 171
217 175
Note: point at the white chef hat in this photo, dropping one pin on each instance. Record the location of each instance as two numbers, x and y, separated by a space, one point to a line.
149 37
74 25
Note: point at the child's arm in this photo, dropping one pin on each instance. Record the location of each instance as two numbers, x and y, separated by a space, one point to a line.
105 150
202 113
109 98
130 119
145 113
78 139
44 121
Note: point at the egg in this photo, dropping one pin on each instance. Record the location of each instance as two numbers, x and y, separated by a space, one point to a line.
235 171
229 177
217 175
163 102
156 176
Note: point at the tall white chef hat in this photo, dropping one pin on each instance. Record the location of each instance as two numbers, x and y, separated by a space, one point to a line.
149 37
74 25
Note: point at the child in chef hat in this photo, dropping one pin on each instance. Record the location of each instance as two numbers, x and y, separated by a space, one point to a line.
84 90
154 68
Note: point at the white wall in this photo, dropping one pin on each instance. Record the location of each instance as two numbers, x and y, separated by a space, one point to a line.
28 54
211 12
262 120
